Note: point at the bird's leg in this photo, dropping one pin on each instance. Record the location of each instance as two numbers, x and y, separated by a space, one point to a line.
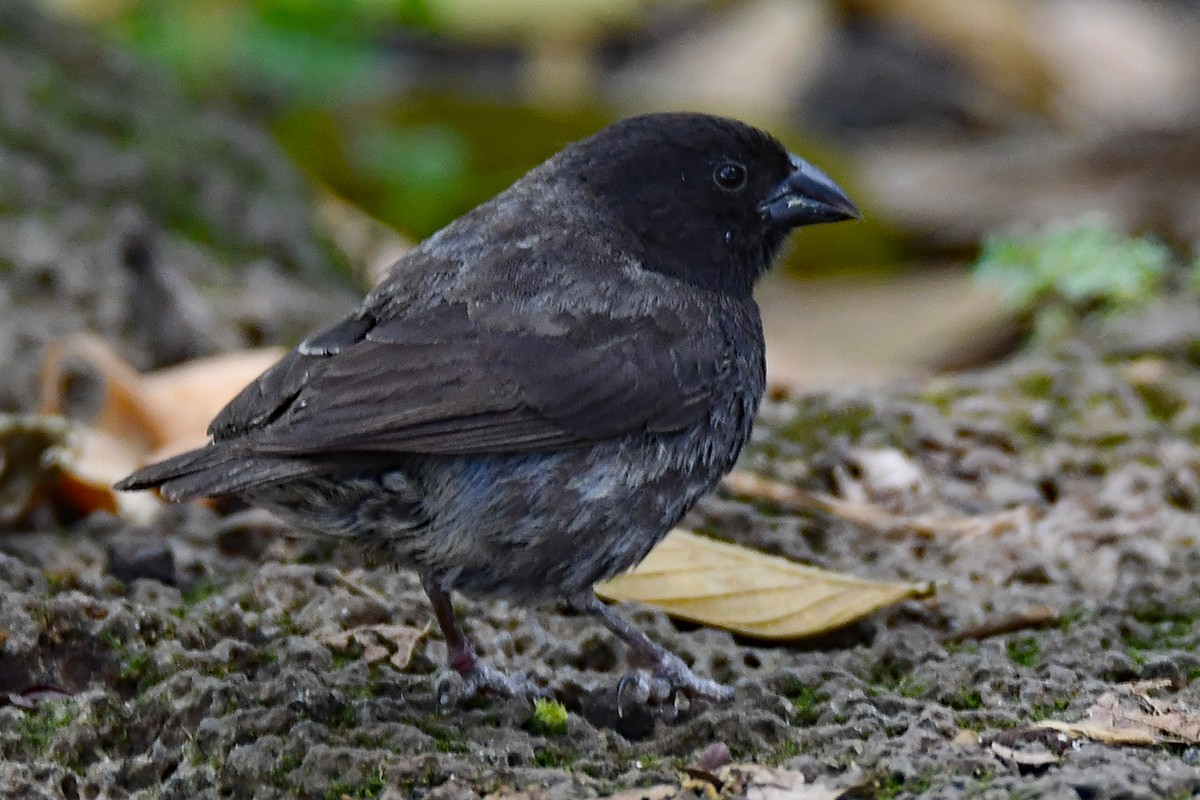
473 676
670 673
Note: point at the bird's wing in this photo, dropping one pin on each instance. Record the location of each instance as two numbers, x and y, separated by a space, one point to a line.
447 381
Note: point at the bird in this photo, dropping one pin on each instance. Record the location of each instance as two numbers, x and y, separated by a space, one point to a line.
536 394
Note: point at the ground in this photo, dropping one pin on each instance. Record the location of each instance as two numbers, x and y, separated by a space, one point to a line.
1052 497
1080 575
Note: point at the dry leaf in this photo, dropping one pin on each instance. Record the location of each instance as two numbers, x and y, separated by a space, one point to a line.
1038 616
122 420
32 452
1110 722
726 586
755 782
789 498
46 458
183 399
377 642
1033 759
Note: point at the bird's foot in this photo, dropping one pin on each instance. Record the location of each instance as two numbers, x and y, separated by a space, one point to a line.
481 679
671 678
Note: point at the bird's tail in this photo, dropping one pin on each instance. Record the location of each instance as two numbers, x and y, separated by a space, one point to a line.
215 470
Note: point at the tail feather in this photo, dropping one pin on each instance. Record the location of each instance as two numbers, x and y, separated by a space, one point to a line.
215 470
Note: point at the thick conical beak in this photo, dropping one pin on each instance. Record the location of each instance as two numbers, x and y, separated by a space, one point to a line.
807 197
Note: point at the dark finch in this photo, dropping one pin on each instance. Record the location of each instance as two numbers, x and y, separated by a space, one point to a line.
538 392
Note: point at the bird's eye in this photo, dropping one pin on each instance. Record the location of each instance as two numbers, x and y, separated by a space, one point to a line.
730 176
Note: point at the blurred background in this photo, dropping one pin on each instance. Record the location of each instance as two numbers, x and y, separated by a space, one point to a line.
948 121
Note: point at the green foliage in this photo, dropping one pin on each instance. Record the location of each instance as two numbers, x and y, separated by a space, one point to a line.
552 759
807 705
964 700
1063 274
39 727
418 162
549 717
1024 651
372 786
306 49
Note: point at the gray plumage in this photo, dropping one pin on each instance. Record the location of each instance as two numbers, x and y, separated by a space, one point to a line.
537 393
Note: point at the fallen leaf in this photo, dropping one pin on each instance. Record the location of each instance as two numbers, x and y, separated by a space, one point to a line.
1036 758
376 642
185 398
755 782
1111 722
32 451
868 515
1038 616
120 420
726 586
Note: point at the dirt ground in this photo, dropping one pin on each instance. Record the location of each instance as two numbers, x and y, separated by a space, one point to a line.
1052 498
193 658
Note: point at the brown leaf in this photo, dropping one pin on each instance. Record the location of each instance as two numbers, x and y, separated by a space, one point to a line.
1112 722
726 586
185 398
1037 616
32 450
121 420
869 515
376 642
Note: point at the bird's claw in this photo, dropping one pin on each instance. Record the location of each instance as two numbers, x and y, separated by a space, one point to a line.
671 679
456 687
638 689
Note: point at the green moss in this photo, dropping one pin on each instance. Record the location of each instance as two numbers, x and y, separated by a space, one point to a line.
1162 400
893 784
200 591
789 749
964 700
1170 628
445 739
1064 274
288 762
112 640
40 726
371 786
345 717
1024 651
549 717
1035 385
552 758
649 762
807 705
136 668
816 422
1049 710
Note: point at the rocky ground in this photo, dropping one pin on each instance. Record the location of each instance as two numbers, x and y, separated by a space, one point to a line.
1052 498
229 673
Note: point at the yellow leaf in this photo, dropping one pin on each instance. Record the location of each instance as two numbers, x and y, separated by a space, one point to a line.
726 586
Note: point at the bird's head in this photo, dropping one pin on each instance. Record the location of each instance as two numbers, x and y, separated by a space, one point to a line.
705 199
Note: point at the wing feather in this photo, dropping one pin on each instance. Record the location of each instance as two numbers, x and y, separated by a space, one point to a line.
441 381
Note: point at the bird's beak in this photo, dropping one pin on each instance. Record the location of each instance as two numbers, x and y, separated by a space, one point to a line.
806 197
